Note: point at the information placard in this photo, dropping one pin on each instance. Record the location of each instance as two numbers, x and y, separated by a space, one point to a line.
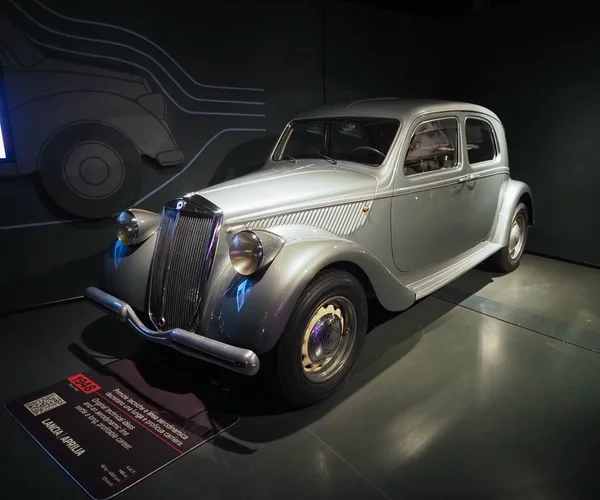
107 435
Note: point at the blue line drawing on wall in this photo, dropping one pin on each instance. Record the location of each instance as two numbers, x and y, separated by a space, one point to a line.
92 125
147 40
138 66
195 157
128 47
141 200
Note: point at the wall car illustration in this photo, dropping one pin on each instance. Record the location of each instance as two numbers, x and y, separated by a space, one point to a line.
84 129
385 199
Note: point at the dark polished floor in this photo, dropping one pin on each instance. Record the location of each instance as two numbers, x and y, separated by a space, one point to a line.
490 389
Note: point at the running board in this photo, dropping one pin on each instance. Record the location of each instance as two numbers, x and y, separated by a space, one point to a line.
440 277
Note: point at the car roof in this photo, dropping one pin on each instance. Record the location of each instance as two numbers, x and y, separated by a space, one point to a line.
391 107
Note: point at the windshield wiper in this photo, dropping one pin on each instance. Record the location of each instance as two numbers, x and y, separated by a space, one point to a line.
289 158
328 158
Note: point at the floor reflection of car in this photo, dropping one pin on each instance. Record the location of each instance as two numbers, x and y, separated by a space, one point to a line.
84 129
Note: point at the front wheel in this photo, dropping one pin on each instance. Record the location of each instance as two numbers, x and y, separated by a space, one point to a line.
322 340
508 258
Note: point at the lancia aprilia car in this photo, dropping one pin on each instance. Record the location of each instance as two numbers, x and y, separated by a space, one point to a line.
385 199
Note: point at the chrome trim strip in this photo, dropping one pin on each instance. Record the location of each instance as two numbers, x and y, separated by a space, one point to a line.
233 358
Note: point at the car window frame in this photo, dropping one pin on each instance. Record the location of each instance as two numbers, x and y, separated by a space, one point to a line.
460 163
284 137
497 152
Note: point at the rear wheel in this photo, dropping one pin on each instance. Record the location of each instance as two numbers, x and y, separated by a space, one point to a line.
508 258
323 339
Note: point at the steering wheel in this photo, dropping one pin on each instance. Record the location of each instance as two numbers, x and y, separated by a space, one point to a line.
364 148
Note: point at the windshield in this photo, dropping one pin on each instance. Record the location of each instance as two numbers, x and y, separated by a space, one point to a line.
360 140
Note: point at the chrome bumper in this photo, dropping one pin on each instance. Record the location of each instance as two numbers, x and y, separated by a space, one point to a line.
240 360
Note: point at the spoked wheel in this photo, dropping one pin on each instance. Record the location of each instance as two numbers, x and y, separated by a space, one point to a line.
508 258
323 339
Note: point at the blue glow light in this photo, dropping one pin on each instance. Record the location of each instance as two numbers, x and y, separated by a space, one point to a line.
120 251
243 290
241 295
2 150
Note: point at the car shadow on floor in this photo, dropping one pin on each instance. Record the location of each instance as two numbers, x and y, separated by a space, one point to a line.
263 418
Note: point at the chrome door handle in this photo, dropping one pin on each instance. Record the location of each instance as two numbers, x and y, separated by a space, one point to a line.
468 178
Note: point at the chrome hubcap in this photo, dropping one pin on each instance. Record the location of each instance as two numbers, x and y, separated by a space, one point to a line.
516 239
328 339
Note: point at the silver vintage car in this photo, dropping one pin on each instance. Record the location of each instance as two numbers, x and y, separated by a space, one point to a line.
383 199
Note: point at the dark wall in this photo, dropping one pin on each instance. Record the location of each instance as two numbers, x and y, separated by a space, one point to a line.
536 65
79 122
111 108
374 52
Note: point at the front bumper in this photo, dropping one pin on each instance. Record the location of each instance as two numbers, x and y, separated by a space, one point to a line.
240 360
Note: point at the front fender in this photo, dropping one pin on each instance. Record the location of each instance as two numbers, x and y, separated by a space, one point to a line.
126 272
149 134
253 311
514 192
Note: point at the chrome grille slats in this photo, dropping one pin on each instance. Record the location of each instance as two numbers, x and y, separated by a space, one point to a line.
160 258
190 241
182 261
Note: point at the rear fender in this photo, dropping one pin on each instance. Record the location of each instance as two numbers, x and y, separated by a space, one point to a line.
515 191
253 311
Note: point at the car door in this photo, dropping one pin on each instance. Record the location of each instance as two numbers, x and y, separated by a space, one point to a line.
488 174
431 201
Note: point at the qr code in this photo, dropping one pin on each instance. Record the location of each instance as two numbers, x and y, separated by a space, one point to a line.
44 404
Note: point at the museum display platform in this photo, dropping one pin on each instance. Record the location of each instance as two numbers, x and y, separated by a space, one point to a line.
487 389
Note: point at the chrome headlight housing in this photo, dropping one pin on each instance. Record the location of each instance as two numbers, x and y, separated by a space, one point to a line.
250 250
136 226
128 229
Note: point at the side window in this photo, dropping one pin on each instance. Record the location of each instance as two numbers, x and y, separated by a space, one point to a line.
434 146
481 145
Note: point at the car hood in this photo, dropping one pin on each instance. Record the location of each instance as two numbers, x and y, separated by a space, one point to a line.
291 187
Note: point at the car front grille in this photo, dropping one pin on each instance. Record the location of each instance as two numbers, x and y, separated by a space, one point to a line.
182 261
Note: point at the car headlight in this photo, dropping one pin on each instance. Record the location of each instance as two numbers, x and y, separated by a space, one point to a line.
136 226
128 229
246 252
253 249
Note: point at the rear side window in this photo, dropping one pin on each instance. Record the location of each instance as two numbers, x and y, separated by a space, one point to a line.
434 146
481 145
